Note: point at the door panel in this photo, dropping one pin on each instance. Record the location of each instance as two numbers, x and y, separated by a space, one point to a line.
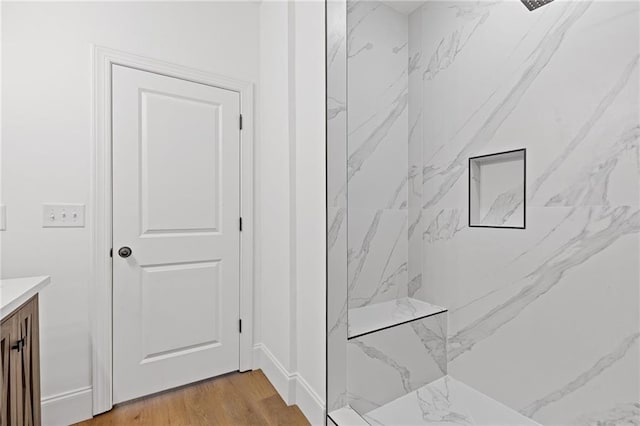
197 297
176 205
166 205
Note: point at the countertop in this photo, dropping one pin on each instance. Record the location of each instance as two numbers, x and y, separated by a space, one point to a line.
15 291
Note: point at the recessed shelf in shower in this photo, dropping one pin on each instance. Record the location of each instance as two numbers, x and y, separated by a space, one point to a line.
497 190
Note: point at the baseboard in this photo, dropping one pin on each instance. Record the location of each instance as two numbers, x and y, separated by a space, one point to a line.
280 378
76 405
309 402
292 387
67 408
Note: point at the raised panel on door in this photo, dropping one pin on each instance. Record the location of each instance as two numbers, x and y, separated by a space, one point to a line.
197 298
175 198
176 205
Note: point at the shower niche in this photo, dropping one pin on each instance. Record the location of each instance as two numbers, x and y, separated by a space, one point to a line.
497 190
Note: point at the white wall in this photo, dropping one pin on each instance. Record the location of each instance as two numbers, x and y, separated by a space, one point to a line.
274 228
46 140
290 270
310 199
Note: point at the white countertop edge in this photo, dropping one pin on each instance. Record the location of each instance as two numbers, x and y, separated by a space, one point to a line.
16 291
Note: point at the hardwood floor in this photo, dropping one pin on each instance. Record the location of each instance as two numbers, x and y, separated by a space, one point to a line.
233 399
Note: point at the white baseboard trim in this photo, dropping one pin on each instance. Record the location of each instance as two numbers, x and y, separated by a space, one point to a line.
310 403
68 407
75 406
292 387
279 377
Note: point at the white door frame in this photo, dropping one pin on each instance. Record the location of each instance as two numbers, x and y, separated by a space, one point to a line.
100 304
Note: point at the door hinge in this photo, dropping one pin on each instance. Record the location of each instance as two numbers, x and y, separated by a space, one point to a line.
240 325
111 252
240 121
240 224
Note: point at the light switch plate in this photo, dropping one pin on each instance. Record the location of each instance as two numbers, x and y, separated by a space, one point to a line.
3 217
63 215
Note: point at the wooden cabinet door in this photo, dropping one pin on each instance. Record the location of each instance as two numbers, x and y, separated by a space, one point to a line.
20 372
8 373
29 377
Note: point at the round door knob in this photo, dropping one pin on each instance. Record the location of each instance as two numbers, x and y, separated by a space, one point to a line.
124 252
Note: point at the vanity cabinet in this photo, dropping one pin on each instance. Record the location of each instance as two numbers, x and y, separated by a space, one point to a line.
20 374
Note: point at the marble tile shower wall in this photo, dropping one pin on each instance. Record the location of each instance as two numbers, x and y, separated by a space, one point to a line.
414 197
390 363
377 57
336 205
545 320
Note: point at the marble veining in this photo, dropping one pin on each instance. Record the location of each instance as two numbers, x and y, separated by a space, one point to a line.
381 315
335 227
377 135
620 414
584 378
588 125
414 285
598 234
386 364
504 206
592 187
415 137
551 83
377 178
541 56
337 271
444 226
378 270
445 401
434 339
466 79
335 107
452 44
372 352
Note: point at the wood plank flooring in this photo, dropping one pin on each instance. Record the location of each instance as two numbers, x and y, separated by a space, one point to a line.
233 399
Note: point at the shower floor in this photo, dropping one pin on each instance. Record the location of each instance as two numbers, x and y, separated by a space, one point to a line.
445 401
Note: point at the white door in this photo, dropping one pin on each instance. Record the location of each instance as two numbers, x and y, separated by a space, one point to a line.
176 199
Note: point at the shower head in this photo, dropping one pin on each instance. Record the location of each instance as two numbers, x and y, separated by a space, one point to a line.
534 4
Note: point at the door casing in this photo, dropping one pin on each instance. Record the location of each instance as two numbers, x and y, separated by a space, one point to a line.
101 308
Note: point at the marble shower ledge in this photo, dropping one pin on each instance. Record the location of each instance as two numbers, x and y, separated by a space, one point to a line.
446 401
347 416
380 316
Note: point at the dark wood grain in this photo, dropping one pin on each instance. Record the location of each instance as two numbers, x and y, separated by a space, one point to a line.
20 374
7 331
29 397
